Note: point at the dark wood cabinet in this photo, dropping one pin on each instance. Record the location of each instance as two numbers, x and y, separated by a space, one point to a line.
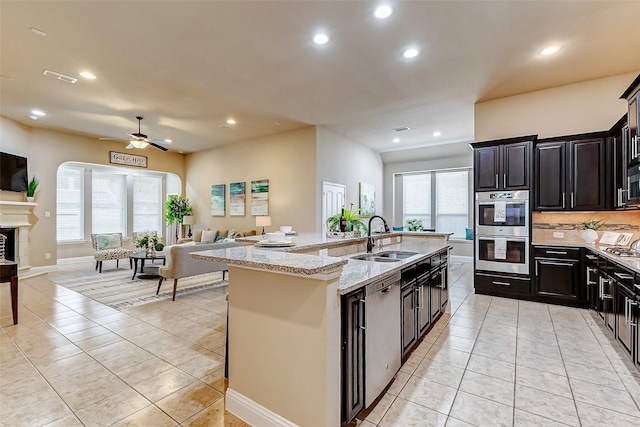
571 174
616 191
423 297
352 354
632 94
502 285
557 275
503 164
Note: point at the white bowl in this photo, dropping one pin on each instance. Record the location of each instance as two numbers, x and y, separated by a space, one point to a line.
277 236
286 228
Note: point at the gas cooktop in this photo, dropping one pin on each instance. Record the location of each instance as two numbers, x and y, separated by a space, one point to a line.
622 252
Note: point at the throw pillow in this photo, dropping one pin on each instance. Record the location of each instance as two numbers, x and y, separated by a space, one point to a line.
220 239
249 233
107 241
231 234
209 236
238 234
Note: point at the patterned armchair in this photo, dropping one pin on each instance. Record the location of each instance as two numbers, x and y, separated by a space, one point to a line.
108 246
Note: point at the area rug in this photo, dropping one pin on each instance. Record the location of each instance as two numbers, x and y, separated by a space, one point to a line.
116 289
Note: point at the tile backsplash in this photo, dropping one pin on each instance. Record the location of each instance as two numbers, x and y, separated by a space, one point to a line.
545 224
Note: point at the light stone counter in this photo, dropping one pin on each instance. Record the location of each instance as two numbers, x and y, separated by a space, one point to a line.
355 274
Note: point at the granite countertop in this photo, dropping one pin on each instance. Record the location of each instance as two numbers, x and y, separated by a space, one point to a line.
630 263
355 273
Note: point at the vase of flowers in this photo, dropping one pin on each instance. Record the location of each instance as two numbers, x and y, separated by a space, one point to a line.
355 224
590 230
176 207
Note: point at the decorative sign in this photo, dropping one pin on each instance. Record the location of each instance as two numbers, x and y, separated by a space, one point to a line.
127 159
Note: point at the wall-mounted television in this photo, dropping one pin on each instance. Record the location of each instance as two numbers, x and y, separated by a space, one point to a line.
13 173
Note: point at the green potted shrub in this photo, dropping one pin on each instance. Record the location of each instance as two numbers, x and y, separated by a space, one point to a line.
590 229
415 225
354 221
31 188
176 208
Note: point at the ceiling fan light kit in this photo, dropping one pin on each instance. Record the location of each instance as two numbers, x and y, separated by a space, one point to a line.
140 140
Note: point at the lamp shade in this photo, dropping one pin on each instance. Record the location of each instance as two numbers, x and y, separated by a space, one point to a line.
188 220
263 221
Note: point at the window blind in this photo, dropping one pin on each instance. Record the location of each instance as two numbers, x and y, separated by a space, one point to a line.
70 204
108 202
147 203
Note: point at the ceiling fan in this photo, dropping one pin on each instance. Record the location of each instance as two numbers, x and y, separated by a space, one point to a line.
140 140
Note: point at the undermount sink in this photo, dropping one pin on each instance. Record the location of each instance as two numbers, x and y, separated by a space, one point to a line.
396 254
374 258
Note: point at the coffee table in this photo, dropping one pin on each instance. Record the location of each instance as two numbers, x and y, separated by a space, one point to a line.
142 256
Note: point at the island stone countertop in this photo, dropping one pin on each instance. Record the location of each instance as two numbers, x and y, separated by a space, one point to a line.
355 273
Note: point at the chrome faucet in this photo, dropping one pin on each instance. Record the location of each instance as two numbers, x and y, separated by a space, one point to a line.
370 242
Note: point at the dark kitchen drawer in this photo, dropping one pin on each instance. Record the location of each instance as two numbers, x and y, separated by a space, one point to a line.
508 284
558 252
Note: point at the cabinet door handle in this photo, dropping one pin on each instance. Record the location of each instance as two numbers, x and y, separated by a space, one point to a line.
572 200
631 305
589 271
563 205
501 283
556 252
600 288
504 180
621 201
497 182
624 276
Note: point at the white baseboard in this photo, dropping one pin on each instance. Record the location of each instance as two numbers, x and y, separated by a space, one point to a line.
252 412
63 261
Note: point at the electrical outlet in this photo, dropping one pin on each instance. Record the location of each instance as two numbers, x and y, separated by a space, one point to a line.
558 235
47 214
47 256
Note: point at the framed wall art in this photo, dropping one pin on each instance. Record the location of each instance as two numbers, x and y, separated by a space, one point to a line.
237 198
218 199
260 197
367 199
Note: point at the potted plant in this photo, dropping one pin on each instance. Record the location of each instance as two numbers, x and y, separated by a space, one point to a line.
589 229
415 225
354 222
31 188
176 208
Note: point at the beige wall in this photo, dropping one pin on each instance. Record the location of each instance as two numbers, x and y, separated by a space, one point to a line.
46 150
287 160
343 161
577 108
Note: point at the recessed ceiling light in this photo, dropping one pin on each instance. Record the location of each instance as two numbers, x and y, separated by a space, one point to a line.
383 12
411 53
38 113
231 122
321 38
87 75
33 117
168 141
396 140
550 50
437 133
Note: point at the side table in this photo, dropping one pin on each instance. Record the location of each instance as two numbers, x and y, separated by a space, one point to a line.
9 273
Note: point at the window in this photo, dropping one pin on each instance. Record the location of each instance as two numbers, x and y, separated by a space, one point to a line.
108 202
417 198
445 193
70 204
147 203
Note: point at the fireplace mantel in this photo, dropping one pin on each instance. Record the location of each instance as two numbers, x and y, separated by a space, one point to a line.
15 214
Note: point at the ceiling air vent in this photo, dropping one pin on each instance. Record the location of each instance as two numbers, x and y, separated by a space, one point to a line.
402 129
59 76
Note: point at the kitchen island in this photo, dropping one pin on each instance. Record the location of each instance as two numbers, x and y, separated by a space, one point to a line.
285 320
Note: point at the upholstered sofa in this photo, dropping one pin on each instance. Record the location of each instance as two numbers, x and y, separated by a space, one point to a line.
212 236
179 264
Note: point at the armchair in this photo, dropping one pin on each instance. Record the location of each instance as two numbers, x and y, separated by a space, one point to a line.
109 246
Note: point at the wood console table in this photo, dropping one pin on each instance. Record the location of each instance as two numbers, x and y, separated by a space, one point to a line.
9 273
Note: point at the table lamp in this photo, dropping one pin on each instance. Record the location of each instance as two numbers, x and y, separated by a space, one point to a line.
188 220
263 221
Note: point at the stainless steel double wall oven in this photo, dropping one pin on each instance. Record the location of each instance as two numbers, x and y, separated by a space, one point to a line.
502 231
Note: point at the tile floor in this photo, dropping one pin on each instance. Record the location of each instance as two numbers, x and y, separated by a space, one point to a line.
490 362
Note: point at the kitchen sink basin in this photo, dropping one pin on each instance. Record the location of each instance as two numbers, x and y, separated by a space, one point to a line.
374 258
396 254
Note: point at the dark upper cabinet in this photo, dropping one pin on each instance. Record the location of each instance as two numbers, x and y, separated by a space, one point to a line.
571 174
503 164
633 118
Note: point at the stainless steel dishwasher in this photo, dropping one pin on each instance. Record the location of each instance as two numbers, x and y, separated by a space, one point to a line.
382 335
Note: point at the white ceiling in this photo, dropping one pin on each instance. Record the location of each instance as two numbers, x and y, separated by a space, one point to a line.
188 66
